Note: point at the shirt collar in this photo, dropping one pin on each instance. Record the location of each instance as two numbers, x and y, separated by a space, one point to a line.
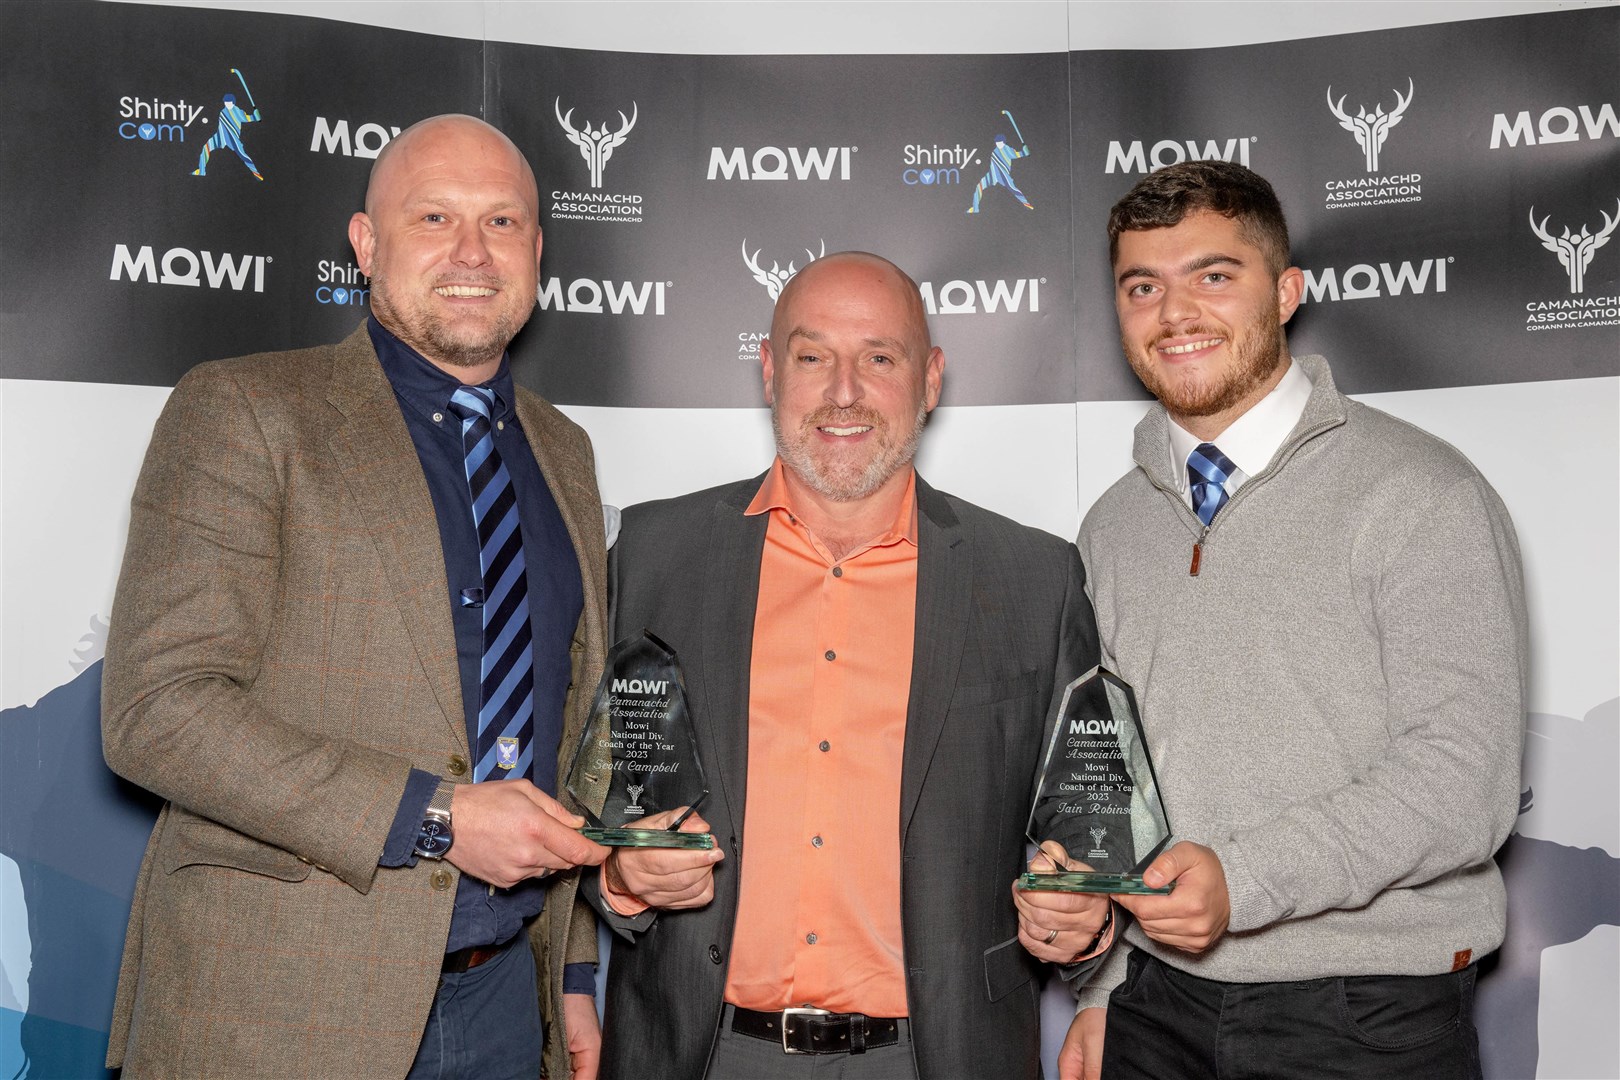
774 494
1253 439
425 387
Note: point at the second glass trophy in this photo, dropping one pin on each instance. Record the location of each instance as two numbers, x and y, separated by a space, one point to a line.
640 735
1097 795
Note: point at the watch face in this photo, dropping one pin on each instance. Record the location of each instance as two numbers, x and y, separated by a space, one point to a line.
433 839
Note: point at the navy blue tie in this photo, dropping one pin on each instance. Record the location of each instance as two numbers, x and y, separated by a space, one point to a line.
1208 470
506 691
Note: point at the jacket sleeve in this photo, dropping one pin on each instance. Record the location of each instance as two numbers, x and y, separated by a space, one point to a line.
193 614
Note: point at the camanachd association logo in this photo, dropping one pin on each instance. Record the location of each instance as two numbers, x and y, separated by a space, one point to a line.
596 143
1575 250
1371 128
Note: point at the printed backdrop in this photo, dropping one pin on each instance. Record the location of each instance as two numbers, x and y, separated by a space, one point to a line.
179 180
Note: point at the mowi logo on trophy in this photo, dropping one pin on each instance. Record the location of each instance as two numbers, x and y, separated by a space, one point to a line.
776 277
596 145
1575 250
1370 128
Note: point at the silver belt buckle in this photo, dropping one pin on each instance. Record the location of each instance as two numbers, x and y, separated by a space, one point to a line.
802 1011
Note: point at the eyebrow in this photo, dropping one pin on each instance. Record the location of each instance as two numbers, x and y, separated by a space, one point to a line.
889 344
1203 262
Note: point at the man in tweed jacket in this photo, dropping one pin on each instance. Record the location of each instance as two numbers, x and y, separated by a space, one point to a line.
288 669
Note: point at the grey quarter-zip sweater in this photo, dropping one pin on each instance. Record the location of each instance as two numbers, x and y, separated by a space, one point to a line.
1335 701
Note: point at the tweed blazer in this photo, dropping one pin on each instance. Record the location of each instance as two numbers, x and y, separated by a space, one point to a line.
281 655
1002 625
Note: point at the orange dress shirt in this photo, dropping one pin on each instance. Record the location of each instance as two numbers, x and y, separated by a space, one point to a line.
818 918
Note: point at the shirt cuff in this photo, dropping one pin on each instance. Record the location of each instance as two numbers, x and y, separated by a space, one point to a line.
400 848
621 903
579 979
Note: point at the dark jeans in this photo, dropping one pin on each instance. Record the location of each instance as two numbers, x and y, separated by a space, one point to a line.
485 1022
1164 1023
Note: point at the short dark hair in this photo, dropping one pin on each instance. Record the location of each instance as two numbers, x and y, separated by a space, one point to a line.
1162 198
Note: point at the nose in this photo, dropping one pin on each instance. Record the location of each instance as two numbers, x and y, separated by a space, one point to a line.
470 248
844 386
1177 305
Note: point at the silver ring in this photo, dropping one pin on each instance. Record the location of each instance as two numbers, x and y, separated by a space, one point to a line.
1051 937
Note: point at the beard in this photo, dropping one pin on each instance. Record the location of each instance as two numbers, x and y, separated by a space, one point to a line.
467 344
839 477
1257 351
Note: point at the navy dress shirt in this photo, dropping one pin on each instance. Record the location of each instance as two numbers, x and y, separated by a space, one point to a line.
485 915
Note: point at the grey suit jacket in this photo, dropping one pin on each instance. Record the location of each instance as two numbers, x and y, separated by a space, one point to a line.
281 655
1003 624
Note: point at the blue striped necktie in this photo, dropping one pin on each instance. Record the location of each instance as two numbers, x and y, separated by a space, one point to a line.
506 691
1208 470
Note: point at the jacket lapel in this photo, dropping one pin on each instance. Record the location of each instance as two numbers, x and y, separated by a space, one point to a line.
727 645
373 451
944 606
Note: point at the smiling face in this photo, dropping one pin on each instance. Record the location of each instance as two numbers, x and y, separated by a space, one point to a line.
451 241
850 376
1201 317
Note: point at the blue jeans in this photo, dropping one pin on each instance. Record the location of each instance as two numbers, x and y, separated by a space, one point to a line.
485 1023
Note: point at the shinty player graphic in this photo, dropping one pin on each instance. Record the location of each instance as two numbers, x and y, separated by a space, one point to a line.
1001 158
228 135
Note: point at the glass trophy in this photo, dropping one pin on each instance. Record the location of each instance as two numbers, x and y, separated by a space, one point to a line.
640 737
1097 795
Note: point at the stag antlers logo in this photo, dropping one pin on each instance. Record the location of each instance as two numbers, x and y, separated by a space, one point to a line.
776 277
596 145
1370 128
1575 250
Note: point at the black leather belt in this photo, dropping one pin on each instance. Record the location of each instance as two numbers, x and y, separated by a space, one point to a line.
817 1031
472 956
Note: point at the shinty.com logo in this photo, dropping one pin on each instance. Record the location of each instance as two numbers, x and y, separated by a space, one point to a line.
1575 251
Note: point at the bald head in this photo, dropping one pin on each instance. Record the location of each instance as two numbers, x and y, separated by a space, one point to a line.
436 138
851 273
450 238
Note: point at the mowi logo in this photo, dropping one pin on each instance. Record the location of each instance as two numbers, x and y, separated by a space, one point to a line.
1557 125
182 266
1139 158
332 137
586 296
773 163
1364 281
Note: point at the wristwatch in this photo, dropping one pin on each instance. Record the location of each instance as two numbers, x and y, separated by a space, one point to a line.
433 838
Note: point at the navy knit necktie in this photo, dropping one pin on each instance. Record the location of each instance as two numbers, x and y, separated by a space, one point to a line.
506 692
1208 470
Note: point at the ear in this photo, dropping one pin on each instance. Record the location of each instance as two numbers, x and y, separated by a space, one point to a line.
767 368
363 238
933 377
539 243
1290 289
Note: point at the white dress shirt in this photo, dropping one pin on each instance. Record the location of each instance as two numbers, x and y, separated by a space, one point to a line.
1252 440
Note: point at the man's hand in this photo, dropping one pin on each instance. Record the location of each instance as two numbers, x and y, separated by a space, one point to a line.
1075 916
509 830
670 878
1194 916
1080 1056
584 1035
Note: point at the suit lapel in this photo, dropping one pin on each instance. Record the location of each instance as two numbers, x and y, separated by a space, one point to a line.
570 474
373 451
944 606
727 644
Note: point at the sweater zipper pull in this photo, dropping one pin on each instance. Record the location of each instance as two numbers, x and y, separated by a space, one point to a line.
1198 553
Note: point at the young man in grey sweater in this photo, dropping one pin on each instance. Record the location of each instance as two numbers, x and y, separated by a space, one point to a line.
1321 610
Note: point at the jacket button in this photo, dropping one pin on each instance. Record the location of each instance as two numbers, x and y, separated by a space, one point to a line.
458 765
714 953
442 879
